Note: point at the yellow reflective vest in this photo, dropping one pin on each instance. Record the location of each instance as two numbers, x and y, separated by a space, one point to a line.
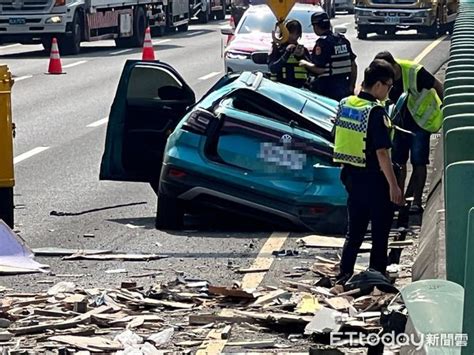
299 73
352 122
424 105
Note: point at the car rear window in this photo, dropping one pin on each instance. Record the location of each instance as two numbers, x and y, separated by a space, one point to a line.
264 21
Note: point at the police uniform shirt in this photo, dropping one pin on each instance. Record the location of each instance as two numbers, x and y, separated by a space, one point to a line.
424 80
378 136
334 54
323 49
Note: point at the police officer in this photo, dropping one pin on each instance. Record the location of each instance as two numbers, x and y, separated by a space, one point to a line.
284 59
332 61
421 114
362 143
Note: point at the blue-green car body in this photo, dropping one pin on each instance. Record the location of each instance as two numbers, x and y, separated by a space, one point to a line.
250 146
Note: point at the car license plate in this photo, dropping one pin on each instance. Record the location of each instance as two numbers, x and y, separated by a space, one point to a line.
392 19
16 21
281 156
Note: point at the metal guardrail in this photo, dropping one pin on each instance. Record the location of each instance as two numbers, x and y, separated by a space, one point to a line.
458 139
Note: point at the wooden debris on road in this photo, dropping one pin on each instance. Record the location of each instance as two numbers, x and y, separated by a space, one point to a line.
123 257
230 292
53 251
318 241
338 303
185 315
95 344
261 344
250 270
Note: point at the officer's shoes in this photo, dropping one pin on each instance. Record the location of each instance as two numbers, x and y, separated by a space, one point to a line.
416 209
341 279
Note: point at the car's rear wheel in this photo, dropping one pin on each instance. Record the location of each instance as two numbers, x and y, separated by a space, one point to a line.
170 213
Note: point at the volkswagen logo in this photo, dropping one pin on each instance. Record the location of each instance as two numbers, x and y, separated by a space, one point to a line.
286 139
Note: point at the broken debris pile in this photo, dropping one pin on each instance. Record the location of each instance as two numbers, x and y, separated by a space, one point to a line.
182 316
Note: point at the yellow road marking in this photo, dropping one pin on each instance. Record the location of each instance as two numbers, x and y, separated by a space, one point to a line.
213 343
428 49
264 259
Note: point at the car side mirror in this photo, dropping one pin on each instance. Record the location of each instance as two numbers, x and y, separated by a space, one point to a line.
227 31
340 29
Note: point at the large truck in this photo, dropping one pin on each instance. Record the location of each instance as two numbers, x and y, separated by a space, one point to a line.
205 10
76 21
431 17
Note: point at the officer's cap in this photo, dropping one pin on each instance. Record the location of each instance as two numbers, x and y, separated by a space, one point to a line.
319 18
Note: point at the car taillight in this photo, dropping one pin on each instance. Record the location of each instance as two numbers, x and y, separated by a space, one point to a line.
175 173
198 121
317 209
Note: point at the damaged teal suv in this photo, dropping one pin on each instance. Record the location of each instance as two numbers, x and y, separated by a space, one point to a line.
250 146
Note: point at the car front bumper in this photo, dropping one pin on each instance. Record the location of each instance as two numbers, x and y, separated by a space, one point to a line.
241 65
393 17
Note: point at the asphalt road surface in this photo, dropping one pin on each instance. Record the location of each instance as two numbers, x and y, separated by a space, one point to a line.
61 124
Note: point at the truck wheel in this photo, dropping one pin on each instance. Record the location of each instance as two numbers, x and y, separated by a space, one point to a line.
70 44
221 14
433 30
170 213
203 17
183 28
139 27
361 33
47 42
158 31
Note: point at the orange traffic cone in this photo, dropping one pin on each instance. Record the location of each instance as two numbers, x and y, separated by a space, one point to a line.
55 66
148 53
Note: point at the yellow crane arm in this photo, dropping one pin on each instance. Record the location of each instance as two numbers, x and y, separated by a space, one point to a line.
281 9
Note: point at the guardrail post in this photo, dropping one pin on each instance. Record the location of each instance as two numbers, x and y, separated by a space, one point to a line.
468 314
458 202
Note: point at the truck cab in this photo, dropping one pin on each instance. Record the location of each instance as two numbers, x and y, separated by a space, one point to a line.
429 17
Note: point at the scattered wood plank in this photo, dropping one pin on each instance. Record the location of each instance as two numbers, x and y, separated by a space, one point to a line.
319 241
400 243
169 304
308 304
123 257
221 317
94 344
230 292
53 251
70 323
250 270
189 343
270 297
261 344
338 303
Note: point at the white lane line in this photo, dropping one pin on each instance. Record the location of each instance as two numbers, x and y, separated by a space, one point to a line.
210 75
122 51
20 78
29 154
74 64
194 33
10 46
161 42
99 122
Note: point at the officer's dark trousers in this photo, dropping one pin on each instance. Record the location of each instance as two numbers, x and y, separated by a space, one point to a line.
369 200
